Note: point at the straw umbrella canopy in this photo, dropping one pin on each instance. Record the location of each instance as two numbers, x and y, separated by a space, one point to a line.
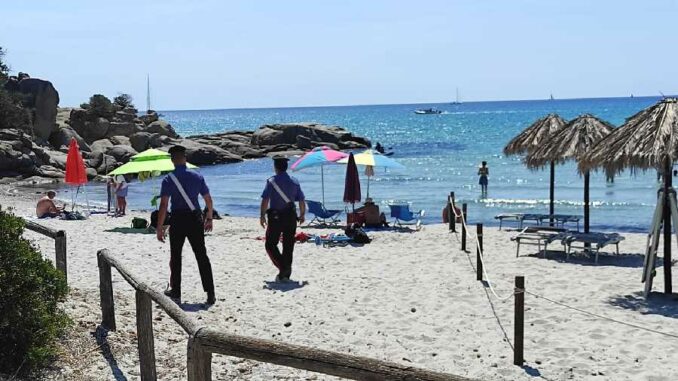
534 137
647 140
571 143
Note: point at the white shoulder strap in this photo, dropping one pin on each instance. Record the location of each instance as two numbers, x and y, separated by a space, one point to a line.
280 192
182 191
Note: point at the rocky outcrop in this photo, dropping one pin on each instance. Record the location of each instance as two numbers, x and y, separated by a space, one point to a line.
313 134
41 98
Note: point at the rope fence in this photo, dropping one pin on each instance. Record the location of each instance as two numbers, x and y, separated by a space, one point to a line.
519 290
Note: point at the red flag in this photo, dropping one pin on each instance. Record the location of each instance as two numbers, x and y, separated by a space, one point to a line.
75 166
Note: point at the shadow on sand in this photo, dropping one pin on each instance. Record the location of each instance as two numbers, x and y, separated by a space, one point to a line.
588 259
129 231
194 307
656 304
101 336
284 286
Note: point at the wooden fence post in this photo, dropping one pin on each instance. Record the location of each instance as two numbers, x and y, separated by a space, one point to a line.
198 361
519 321
145 337
106 293
60 250
451 213
463 227
479 261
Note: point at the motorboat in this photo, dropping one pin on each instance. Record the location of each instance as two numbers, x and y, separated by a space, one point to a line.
423 111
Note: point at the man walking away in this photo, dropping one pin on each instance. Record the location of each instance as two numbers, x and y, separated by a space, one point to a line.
279 216
182 186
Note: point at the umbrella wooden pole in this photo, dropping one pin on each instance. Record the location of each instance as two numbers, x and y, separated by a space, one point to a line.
586 202
552 182
322 182
668 289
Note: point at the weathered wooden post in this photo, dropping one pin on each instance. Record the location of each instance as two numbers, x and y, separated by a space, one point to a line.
463 227
60 250
451 213
198 362
106 292
479 260
145 337
519 321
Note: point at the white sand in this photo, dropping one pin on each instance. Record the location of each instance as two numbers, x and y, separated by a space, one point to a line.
411 298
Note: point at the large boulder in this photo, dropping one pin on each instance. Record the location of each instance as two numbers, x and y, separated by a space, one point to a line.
205 154
149 117
121 153
43 100
158 140
161 127
96 129
57 159
278 134
14 162
78 119
122 128
119 139
139 141
62 138
100 146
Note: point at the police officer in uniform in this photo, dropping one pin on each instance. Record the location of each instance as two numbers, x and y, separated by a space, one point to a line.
279 216
182 187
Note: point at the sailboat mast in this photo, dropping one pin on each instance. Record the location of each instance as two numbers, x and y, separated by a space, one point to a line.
457 95
148 92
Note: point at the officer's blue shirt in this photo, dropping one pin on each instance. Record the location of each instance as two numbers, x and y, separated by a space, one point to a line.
288 184
193 184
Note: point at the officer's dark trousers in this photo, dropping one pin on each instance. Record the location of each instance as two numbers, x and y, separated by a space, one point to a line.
287 227
188 225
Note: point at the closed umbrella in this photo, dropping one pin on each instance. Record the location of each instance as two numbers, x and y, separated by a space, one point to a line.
352 183
533 137
319 156
76 173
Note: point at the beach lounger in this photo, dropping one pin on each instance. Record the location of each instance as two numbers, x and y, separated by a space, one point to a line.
518 217
402 212
322 216
599 240
560 219
537 236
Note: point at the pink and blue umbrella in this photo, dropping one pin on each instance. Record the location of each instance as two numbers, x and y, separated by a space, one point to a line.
319 156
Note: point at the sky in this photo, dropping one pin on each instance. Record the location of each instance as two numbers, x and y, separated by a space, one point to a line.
272 53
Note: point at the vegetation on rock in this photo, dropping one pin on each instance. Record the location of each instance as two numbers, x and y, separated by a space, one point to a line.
123 100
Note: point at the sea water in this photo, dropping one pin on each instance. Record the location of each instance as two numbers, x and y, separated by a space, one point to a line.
441 153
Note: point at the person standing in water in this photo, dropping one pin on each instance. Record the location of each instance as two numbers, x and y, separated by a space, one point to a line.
483 172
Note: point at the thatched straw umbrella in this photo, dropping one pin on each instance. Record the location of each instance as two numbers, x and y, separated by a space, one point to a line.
571 143
647 140
534 137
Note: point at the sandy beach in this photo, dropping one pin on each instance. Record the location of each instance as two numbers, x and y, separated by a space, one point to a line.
411 298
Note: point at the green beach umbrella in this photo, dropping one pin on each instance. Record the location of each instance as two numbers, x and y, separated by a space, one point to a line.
151 160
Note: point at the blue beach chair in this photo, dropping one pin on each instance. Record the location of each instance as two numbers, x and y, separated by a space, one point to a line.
402 213
322 216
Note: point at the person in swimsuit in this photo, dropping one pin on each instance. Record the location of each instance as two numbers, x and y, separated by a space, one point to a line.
483 172
46 208
121 194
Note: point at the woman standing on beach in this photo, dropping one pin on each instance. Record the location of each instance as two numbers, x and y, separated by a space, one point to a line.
121 194
483 172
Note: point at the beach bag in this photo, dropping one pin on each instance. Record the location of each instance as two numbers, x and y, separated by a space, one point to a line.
357 233
139 223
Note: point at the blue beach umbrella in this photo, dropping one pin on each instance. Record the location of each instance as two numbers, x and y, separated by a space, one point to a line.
319 156
371 158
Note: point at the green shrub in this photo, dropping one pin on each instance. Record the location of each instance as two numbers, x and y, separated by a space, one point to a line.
99 105
123 100
30 291
12 114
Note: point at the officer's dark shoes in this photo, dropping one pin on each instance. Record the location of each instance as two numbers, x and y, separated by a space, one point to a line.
174 294
211 299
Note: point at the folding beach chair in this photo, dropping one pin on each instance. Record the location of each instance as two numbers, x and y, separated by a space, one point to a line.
402 212
322 216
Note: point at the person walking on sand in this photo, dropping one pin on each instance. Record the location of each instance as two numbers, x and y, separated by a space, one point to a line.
483 172
182 187
278 216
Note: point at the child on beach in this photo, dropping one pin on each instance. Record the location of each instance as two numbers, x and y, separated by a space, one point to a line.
120 195
483 172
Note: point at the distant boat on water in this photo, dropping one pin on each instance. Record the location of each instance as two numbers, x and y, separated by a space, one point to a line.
457 101
424 111
552 98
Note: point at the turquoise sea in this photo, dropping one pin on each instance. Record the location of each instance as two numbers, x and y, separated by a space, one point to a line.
441 154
